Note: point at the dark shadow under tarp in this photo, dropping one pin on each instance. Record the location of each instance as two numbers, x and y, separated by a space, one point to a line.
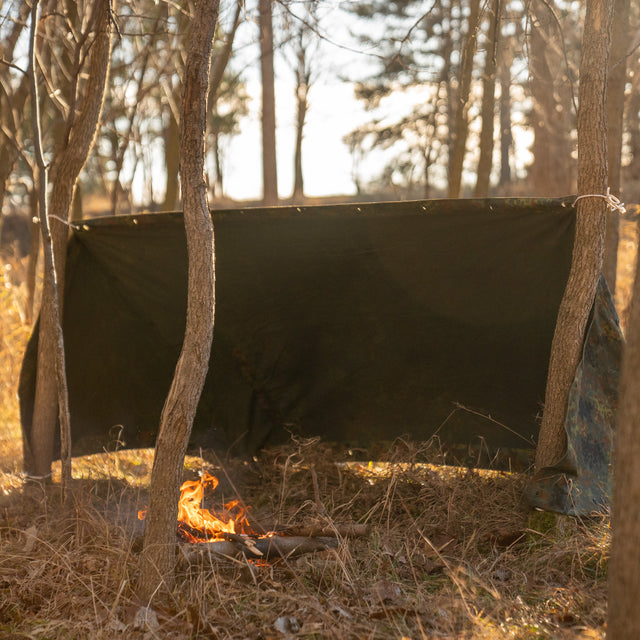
357 323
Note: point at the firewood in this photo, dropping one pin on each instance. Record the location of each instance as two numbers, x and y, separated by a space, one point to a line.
259 548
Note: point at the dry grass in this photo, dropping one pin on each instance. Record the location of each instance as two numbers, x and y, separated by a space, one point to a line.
451 554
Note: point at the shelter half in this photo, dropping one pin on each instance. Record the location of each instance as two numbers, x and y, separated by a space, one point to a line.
357 323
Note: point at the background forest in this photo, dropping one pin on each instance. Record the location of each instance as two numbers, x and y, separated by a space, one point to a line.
403 99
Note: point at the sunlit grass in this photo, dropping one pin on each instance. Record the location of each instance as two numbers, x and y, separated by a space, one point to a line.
14 333
452 553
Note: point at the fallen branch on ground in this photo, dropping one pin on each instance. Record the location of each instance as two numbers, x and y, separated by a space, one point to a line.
258 548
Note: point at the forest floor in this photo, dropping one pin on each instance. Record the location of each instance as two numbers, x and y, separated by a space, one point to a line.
450 552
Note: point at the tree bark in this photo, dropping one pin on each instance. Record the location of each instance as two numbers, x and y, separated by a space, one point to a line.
461 127
588 250
34 254
269 165
615 113
485 163
171 153
158 556
624 578
66 168
54 318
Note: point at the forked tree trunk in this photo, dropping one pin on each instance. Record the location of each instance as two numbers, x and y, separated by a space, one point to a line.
615 113
66 168
54 319
269 166
624 578
158 556
588 249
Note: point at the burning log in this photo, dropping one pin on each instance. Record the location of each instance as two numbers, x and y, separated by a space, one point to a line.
285 542
228 534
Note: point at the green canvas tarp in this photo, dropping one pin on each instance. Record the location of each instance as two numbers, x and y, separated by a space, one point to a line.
357 323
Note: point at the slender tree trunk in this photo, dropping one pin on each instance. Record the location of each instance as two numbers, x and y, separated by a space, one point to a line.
158 556
461 127
615 113
301 113
624 578
34 254
171 154
269 166
588 250
551 173
485 163
218 67
221 60
67 167
218 185
506 135
54 316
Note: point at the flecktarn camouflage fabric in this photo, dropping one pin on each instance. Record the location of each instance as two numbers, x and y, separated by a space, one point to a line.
580 484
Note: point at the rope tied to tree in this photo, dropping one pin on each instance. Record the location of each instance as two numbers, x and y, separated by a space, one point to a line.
613 203
36 220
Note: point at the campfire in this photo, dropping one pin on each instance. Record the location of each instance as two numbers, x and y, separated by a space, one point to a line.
228 532
197 524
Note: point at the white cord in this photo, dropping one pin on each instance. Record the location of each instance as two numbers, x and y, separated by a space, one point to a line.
69 224
36 220
613 203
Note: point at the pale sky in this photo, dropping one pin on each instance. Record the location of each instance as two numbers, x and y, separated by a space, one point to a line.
333 113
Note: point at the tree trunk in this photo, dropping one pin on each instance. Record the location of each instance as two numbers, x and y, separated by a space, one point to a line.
550 173
171 154
632 170
615 113
588 250
624 578
485 163
302 91
218 185
54 317
269 166
461 126
506 135
34 254
158 556
66 168
221 60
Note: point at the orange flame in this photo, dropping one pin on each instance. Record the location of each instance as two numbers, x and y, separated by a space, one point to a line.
203 521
